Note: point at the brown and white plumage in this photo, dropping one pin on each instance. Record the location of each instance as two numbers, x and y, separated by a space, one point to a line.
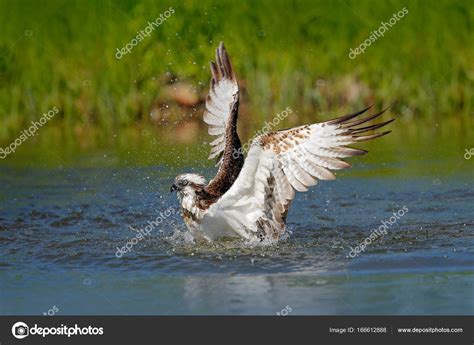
222 101
222 106
254 203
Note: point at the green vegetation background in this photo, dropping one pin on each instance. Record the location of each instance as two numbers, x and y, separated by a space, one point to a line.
287 54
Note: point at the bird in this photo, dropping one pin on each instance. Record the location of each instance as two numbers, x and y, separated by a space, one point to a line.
249 198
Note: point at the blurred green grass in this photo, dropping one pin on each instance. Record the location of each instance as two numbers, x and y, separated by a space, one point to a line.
287 53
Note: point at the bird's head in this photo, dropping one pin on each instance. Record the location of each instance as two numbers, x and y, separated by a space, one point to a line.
188 184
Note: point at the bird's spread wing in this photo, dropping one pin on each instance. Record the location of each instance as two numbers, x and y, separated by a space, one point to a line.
278 163
222 103
222 106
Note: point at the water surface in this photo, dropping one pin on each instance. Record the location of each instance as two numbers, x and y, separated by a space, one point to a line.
60 229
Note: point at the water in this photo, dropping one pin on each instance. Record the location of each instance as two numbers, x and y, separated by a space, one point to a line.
60 229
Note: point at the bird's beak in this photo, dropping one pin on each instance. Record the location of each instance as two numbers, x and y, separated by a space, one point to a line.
173 188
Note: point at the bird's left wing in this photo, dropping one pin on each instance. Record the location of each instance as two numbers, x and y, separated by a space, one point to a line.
222 103
222 106
278 163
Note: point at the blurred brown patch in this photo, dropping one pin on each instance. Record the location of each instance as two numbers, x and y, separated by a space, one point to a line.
183 94
186 132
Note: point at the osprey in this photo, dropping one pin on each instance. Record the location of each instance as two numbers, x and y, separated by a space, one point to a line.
250 198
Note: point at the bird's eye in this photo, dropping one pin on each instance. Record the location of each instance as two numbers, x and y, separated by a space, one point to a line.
185 183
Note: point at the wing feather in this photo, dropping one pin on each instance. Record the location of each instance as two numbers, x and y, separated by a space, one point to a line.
301 173
211 119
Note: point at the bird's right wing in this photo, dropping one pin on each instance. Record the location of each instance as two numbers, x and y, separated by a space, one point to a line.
278 163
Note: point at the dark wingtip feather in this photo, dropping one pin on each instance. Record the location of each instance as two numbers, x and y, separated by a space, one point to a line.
371 127
219 61
364 120
347 117
226 62
371 136
223 64
214 71
357 152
